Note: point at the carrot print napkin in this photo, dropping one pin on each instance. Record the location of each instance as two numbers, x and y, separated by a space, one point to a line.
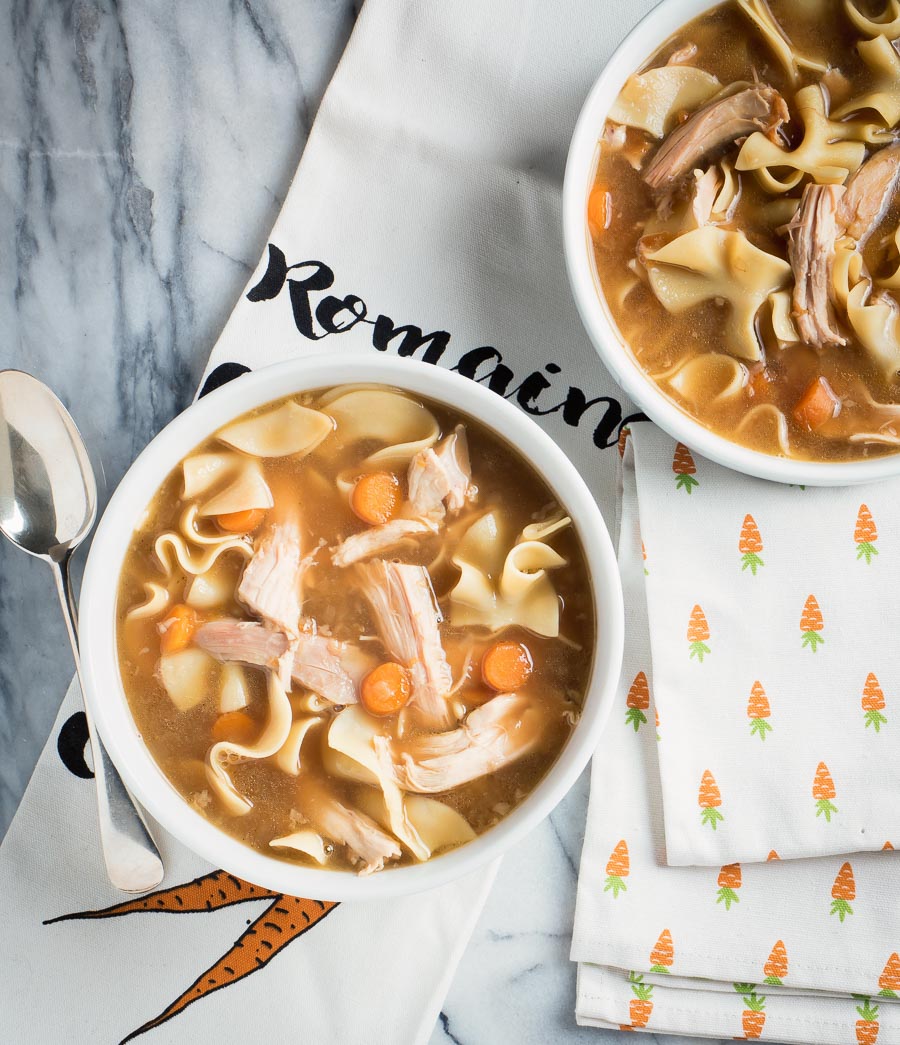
802 950
772 659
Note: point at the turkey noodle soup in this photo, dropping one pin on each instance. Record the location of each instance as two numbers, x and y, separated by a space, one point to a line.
745 224
354 628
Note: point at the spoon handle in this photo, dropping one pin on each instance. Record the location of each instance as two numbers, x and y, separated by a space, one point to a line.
132 860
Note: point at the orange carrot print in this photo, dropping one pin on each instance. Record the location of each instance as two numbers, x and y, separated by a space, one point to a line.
843 891
887 848
776 968
758 711
772 856
750 545
697 634
640 1006
656 713
663 954
867 1024
644 553
873 703
709 800
624 433
811 624
823 792
684 468
753 1018
729 882
865 535
637 702
617 869
889 980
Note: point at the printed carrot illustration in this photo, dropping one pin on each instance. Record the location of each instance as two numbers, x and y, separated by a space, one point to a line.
865 535
656 712
709 799
867 1024
637 702
753 1018
617 869
823 792
776 968
644 553
684 468
873 703
772 855
641 1005
887 847
758 711
811 623
624 433
729 882
750 545
284 919
663 954
889 980
697 634
843 891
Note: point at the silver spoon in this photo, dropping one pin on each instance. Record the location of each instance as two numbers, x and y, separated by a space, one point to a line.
48 503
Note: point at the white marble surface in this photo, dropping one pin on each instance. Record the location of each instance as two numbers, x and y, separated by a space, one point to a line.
130 217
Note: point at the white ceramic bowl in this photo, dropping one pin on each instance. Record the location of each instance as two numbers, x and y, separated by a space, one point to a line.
661 23
106 696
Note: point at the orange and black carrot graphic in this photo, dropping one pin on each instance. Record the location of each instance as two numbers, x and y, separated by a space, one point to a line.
285 918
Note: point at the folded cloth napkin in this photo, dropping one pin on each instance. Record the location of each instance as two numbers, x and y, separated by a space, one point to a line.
423 221
799 950
773 659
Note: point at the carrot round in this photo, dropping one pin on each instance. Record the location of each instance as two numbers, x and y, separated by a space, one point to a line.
235 726
376 497
817 405
177 630
241 522
507 666
599 210
386 689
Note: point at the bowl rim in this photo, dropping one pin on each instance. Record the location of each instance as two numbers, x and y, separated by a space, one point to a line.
100 665
643 40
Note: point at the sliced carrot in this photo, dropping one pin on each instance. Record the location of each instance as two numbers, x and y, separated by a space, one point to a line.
599 209
507 666
241 522
385 689
177 630
760 382
817 405
236 726
376 497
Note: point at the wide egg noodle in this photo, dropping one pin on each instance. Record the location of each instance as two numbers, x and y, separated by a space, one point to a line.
439 826
884 97
157 599
352 734
782 318
653 99
287 758
766 428
401 424
712 264
788 56
224 483
892 281
288 430
307 841
187 524
886 25
875 320
271 740
709 378
171 549
829 152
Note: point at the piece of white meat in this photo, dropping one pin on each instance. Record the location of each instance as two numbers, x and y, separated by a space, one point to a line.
379 539
366 841
811 238
407 617
868 194
271 585
323 665
717 124
505 729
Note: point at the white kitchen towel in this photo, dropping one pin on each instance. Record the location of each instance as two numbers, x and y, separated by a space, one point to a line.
424 220
787 950
773 659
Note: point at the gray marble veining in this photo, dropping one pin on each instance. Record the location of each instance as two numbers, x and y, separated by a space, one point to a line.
145 149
